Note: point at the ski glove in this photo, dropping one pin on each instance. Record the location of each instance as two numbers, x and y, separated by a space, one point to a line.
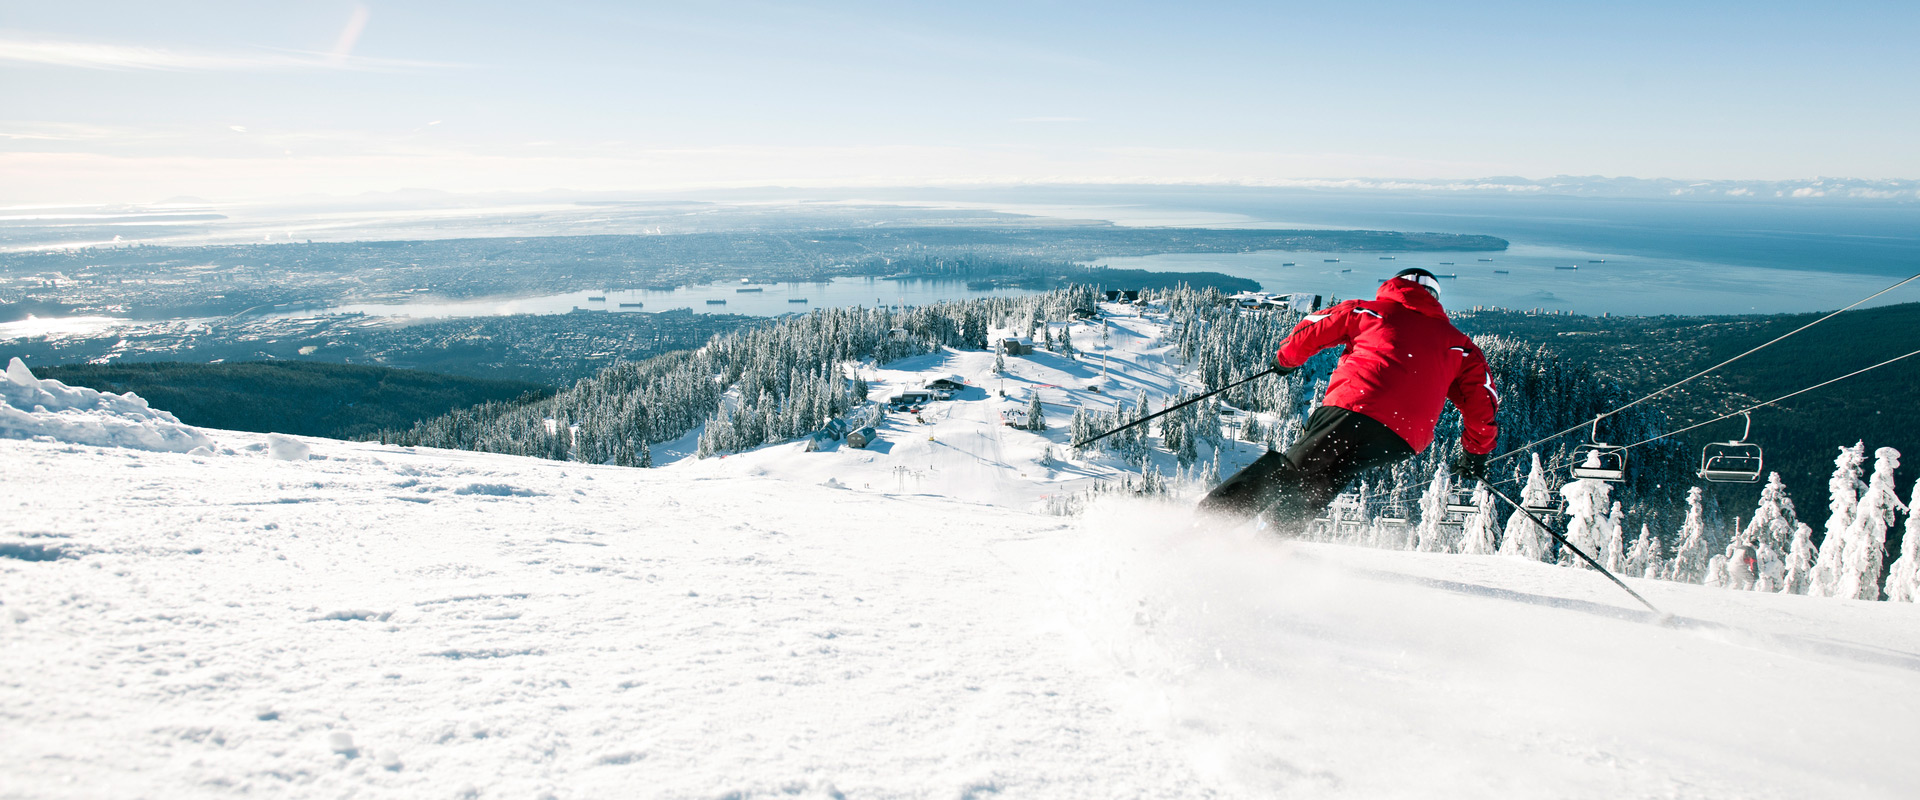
1471 466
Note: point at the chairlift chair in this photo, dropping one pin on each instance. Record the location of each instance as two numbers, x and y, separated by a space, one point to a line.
1737 461
1599 461
1547 509
1460 501
1336 511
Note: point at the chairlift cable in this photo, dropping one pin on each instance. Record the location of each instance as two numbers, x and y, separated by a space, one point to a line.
1656 393
1683 381
1726 416
1775 400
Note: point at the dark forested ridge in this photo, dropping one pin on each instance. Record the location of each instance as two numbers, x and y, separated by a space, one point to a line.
552 349
313 399
1800 435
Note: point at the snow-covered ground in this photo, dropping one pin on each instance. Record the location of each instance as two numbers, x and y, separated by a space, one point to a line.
891 622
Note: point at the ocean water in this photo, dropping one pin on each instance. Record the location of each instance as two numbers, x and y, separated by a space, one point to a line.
1628 256
1527 277
1631 256
753 299
1820 236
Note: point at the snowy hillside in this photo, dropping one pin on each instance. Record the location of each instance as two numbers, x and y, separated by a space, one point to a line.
897 621
964 448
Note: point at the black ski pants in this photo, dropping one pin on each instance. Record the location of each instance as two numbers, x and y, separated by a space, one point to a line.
1292 487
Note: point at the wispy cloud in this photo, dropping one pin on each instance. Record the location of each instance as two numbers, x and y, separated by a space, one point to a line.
1051 119
350 34
28 49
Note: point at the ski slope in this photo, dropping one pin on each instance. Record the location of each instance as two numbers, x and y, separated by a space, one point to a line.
900 621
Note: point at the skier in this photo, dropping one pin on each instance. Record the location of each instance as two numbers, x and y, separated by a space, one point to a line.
1403 361
1742 565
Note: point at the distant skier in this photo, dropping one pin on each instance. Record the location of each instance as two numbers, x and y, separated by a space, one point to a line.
1403 361
1742 566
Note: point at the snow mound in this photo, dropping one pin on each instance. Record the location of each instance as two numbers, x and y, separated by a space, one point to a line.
287 448
31 408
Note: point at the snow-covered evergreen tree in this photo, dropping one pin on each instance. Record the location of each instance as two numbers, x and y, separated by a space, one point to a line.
1691 556
1250 431
1523 538
1477 532
1716 572
1643 558
1615 550
1771 568
1208 425
1903 577
1188 451
1843 494
1080 428
1799 564
1865 548
1036 415
1587 505
1774 519
1432 536
1172 431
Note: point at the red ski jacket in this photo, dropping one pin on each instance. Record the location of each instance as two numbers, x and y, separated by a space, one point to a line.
1404 360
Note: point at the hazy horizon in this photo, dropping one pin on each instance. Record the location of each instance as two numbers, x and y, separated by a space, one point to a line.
1901 191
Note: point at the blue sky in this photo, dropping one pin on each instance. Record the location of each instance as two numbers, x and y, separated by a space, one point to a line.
131 101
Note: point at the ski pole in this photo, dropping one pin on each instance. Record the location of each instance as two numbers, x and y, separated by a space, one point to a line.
1172 408
1576 551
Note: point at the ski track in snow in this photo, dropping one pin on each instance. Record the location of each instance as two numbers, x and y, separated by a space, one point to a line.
371 621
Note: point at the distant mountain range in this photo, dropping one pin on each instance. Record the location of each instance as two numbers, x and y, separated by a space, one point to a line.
1809 189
